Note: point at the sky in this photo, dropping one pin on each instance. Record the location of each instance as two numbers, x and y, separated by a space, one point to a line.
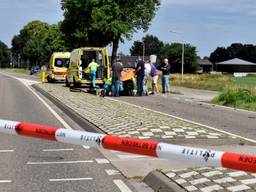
205 24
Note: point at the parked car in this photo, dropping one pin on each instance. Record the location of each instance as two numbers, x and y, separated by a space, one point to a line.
34 69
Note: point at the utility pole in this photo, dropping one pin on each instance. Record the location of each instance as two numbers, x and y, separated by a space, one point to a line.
182 65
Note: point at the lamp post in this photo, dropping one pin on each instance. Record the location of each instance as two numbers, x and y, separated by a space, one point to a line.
182 55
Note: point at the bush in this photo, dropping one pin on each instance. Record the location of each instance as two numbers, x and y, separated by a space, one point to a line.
241 98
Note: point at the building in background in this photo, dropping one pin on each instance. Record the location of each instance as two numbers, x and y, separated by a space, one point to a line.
236 66
204 65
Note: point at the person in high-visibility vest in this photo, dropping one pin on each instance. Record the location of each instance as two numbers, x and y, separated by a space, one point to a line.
93 66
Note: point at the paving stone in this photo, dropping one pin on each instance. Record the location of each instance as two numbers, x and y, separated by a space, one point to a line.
191 188
171 174
224 180
237 174
248 181
199 181
238 188
156 130
211 188
211 173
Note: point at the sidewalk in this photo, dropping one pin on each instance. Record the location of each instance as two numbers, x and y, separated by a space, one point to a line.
197 94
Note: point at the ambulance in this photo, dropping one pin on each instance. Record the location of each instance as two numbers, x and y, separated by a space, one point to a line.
80 59
59 63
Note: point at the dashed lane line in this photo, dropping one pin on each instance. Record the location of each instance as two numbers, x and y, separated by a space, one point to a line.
56 150
102 161
5 181
6 151
86 147
71 179
121 185
58 162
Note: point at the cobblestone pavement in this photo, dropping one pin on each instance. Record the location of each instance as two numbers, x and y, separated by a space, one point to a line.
121 119
207 179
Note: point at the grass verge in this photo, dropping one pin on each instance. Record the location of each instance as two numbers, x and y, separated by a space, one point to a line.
17 70
242 98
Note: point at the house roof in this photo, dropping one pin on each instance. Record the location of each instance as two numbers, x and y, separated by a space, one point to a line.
236 61
204 62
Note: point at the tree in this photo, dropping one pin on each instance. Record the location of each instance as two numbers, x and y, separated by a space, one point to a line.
29 43
152 46
36 42
220 54
53 41
100 22
236 50
137 48
174 53
4 55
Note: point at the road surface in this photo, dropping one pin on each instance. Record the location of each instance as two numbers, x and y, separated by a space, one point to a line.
33 165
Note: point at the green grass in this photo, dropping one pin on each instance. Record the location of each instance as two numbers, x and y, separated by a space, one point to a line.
237 92
250 80
17 70
242 98
214 82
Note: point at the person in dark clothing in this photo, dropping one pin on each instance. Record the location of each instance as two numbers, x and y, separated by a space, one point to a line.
117 68
140 72
165 68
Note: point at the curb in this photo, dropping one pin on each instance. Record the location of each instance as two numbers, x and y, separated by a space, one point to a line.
159 182
81 121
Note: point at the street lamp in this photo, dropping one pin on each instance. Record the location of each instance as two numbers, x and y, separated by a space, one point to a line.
182 55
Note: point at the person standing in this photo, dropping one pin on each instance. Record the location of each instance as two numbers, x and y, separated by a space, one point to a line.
154 76
165 68
140 72
93 66
146 76
117 68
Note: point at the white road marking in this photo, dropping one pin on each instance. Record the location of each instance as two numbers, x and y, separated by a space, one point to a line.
5 181
27 84
130 156
71 179
141 159
111 172
86 147
182 119
61 120
122 186
102 161
58 162
53 150
6 151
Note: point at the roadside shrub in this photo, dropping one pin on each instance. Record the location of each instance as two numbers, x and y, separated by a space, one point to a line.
241 98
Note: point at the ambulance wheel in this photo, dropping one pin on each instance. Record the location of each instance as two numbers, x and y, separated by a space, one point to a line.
49 79
67 83
75 83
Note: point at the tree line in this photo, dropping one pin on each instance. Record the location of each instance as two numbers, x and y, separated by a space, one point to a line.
173 51
236 50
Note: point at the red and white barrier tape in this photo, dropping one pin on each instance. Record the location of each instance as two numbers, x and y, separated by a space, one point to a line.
200 157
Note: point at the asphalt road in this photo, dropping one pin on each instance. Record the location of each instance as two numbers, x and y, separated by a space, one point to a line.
33 165
238 122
